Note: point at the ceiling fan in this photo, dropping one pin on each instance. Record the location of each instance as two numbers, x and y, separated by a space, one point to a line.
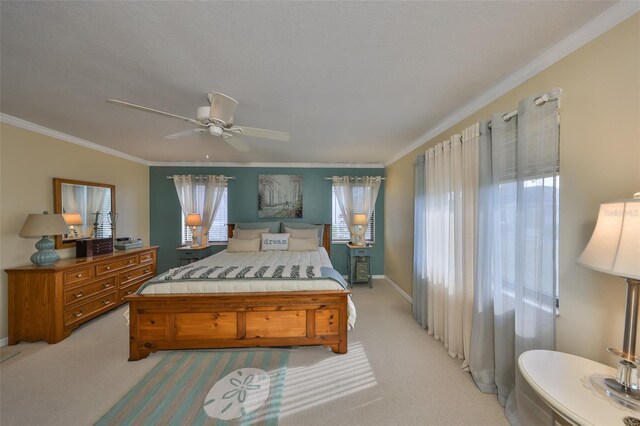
217 120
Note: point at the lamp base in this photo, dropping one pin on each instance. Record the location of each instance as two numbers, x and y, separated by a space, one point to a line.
46 255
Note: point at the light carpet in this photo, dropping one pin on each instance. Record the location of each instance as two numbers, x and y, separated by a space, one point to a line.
205 388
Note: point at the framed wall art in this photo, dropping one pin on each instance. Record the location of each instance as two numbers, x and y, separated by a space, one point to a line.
279 196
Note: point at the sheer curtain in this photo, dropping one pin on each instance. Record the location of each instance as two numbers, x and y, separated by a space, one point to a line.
356 195
451 173
515 289
85 200
200 194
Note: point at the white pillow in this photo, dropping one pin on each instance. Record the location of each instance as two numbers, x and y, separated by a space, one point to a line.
303 244
238 245
249 234
275 242
302 233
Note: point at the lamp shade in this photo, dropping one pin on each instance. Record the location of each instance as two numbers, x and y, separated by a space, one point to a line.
614 247
39 225
72 219
360 219
194 219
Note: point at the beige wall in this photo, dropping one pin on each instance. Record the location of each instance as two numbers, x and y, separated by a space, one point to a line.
28 163
599 160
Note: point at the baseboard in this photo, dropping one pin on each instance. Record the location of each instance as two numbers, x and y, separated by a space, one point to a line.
397 288
4 342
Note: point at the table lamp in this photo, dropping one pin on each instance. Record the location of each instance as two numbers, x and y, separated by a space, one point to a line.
72 219
614 248
359 223
193 220
43 225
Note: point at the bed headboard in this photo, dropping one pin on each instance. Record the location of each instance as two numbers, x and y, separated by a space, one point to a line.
326 235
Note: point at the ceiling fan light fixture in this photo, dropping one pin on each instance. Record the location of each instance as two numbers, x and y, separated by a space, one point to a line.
215 131
203 113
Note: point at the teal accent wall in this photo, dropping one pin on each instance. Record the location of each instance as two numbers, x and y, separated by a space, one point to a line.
243 206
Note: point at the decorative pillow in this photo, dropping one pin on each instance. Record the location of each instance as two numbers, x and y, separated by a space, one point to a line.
274 226
275 242
237 245
302 233
303 225
249 234
303 244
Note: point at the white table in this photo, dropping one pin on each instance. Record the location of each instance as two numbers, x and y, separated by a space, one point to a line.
556 378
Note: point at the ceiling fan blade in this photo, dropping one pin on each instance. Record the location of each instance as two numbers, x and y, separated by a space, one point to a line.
222 107
154 111
185 133
237 143
263 133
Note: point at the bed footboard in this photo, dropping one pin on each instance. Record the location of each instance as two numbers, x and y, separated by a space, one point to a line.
239 320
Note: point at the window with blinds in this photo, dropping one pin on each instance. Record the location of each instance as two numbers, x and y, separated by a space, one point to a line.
340 230
218 231
104 227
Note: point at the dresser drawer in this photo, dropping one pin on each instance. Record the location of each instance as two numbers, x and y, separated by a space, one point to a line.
105 268
129 290
365 251
78 313
78 276
85 291
146 257
127 277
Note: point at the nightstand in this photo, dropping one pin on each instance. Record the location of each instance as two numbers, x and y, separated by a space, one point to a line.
359 265
190 254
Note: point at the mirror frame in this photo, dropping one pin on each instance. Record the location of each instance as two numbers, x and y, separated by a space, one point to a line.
57 202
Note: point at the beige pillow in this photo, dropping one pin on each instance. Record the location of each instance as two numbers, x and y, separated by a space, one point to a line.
303 244
239 245
302 233
249 234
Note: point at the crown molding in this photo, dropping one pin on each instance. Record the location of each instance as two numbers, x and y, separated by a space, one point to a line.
280 165
596 27
27 125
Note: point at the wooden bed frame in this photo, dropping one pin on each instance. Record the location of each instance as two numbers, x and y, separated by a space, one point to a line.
238 320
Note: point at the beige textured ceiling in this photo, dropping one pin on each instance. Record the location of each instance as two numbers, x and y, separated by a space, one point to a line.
351 81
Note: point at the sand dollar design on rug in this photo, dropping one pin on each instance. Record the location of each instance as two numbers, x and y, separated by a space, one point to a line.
238 393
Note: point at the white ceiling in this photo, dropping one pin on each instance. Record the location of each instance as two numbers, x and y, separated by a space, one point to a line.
351 81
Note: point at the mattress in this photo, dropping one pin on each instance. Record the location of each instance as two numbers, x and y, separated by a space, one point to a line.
317 262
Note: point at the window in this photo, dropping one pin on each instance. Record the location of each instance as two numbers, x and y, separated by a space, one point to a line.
104 228
218 231
340 231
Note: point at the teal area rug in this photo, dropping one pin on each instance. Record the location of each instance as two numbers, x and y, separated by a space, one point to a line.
232 387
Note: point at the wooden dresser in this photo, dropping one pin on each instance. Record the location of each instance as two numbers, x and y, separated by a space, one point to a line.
49 302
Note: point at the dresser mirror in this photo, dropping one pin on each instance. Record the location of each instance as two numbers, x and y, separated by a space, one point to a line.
89 209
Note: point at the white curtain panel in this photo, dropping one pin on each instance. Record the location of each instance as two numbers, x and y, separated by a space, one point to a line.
356 195
95 200
202 195
451 173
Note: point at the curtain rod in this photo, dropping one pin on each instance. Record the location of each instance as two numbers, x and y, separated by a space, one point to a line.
357 177
539 101
198 177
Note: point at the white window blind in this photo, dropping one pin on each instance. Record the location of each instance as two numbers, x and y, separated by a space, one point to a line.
340 230
104 228
218 231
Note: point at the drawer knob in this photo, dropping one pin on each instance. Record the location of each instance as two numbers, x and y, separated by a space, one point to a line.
129 276
78 295
107 285
129 292
131 261
79 276
77 314
106 302
146 270
108 267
